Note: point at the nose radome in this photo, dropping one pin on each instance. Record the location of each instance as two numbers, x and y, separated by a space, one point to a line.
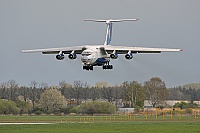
84 58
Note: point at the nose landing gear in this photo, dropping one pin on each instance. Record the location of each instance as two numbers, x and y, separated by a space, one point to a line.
88 68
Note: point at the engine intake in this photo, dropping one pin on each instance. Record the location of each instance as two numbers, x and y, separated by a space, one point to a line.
72 56
114 55
60 56
129 56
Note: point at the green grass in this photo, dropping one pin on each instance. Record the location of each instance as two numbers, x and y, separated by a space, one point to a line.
106 127
101 124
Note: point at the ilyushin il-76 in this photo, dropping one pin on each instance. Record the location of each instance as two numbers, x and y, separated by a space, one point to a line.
100 55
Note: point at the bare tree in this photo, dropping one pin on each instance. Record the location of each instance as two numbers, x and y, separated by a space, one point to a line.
86 91
24 92
33 93
95 93
133 93
155 91
118 93
77 88
13 86
65 89
4 90
108 93
43 85
101 84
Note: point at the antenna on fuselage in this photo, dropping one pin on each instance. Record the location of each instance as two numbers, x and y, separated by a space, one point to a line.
109 27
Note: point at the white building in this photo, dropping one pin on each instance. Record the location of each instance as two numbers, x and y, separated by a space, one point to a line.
169 103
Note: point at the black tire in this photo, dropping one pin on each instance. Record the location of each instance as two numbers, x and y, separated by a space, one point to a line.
91 68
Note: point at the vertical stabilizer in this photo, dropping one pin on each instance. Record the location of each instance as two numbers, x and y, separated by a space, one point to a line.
109 27
108 33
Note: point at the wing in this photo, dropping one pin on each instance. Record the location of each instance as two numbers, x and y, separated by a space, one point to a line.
65 50
124 49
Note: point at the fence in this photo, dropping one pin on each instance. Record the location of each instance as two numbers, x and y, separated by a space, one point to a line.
147 115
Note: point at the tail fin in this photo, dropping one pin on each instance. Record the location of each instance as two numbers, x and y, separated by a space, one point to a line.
109 27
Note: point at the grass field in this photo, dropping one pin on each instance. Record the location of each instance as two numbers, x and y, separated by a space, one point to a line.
106 127
100 124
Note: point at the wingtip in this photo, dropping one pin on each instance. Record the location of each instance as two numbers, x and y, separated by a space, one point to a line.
23 51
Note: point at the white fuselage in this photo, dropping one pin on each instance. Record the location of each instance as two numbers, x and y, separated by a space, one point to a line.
94 56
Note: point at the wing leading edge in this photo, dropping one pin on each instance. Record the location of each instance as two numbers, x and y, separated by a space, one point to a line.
125 49
65 50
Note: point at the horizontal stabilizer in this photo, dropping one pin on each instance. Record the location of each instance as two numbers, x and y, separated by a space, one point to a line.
109 27
111 20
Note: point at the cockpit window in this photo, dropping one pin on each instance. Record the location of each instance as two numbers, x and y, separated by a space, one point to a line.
86 53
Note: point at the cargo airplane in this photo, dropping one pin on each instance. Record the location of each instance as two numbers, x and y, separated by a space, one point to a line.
100 55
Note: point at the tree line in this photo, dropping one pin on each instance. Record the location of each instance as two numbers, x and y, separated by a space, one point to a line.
127 94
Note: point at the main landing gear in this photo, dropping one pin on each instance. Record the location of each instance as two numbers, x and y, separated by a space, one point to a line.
107 67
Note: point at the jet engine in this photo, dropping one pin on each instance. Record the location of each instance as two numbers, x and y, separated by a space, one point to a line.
114 55
129 55
60 56
72 55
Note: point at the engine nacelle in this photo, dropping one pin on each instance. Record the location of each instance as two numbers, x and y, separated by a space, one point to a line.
60 56
129 56
72 56
114 56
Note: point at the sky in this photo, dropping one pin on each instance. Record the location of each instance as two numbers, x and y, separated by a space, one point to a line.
32 24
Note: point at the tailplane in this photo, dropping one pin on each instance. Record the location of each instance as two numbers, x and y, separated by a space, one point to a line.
109 27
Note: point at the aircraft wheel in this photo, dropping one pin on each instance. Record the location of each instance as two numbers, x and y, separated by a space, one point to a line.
88 68
111 66
91 68
107 67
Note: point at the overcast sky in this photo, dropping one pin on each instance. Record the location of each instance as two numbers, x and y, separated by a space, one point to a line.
32 24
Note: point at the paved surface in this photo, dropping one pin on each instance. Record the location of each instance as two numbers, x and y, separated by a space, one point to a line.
24 123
